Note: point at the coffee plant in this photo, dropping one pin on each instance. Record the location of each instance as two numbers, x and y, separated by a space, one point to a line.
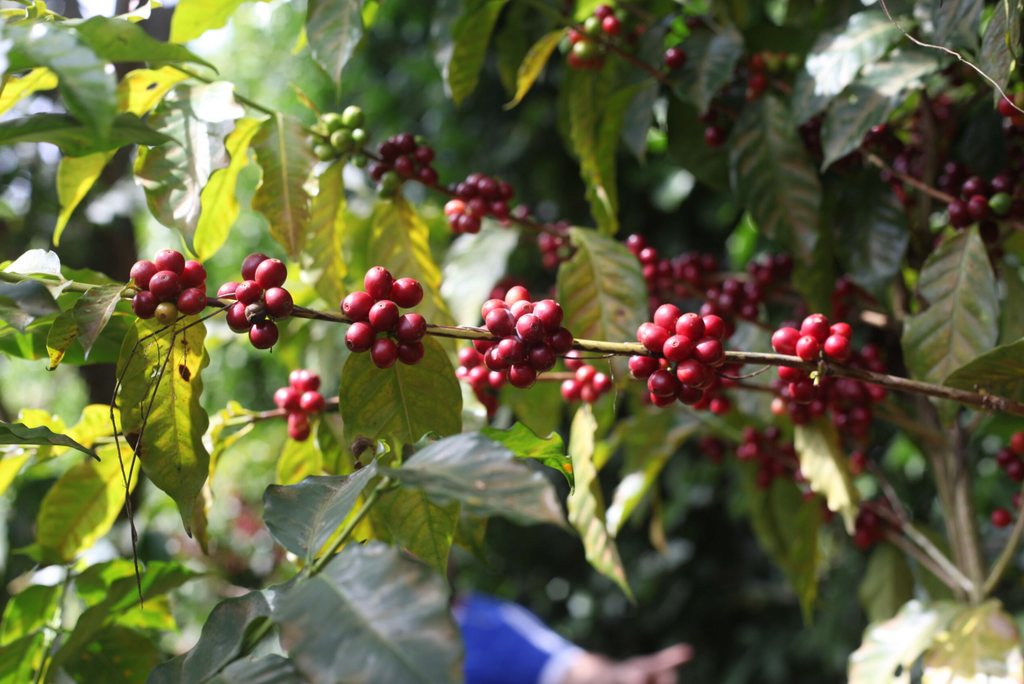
867 293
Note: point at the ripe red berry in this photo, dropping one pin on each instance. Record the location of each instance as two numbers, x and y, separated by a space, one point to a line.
1001 517
193 274
515 294
384 315
654 337
169 260
560 341
550 314
142 272
278 302
691 372
263 335
642 366
816 326
411 328
248 292
808 348
601 383
521 308
975 185
837 348
357 305
959 214
360 337
405 142
675 58
410 353
1017 442
1015 470
165 286
979 208
298 427
787 374
531 329
586 373
689 395
666 316
500 322
714 136
784 340
304 380
384 353
842 329
494 361
802 391
483 345
405 166
312 402
522 375
571 390
424 154
512 351
378 283
478 377
661 402
249 265
678 348
720 406
227 289
144 304
287 398
1006 108
406 292
611 25
490 305
708 350
455 206
1005 457
236 318
271 273
191 301
690 325
542 357
714 327
662 384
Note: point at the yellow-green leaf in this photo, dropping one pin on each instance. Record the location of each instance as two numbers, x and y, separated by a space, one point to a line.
10 466
286 159
142 89
981 644
533 63
193 18
324 256
19 87
471 33
825 467
298 461
422 527
75 177
897 643
887 583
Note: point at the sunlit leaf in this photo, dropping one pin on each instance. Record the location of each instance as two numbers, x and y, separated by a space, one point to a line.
297 461
471 33
981 643
10 466
116 655
116 40
28 611
142 89
20 87
473 265
93 311
75 177
61 335
414 522
16 433
826 468
193 18
533 63
897 643
333 28
21 303
324 255
20 659
522 441
74 138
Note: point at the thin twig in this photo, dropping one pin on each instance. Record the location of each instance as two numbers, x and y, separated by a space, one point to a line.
1006 555
894 538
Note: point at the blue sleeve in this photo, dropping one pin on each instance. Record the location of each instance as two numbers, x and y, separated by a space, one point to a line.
507 644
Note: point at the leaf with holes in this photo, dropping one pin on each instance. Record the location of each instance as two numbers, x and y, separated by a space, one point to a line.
142 89
401 403
533 63
711 59
160 406
414 522
333 28
389 615
93 311
522 441
899 642
887 583
324 257
826 469
471 33
286 159
962 318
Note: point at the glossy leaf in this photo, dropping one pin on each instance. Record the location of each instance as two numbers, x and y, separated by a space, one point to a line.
402 402
471 33
18 434
141 90
998 52
286 159
898 642
116 655
602 291
533 63
472 266
219 205
484 476
586 107
297 461
962 319
982 643
19 87
999 371
93 311
304 516
586 503
21 303
522 441
887 583
272 669
711 59
837 57
73 138
61 335
75 177
333 28
953 21
389 619
422 527
165 373
31 609
872 230
82 505
116 40
826 469
193 18
324 254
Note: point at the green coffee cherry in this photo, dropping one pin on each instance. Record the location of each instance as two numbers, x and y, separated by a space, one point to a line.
352 117
420 141
773 61
585 50
389 183
324 152
360 161
592 26
1000 203
360 136
333 121
793 62
341 140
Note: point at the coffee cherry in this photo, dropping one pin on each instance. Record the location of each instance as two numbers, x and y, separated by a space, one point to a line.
236 318
166 313
384 353
550 314
384 315
586 373
690 325
298 426
191 301
248 292
357 305
249 265
816 326
405 166
675 58
654 337
1017 442
271 273
808 348
720 406
494 362
662 384
263 334
406 293
1005 457
360 337
714 327
312 402
165 286
837 348
689 396
560 341
784 340
378 283
959 214
352 117
603 11
542 358
512 351
1001 517
708 351
411 353
469 224
193 274
642 366
975 185
1015 471
979 208
691 372
1000 203
1006 108
144 304
571 390
169 260
662 402
842 329
142 272
410 328
304 380
802 391
278 302
678 348
288 398
522 376
667 316
227 289
483 345
611 26
324 152
479 377
601 382
714 136
500 322
520 309
531 329
517 293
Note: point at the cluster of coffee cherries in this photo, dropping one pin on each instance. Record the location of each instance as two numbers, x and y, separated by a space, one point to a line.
1009 459
341 134
773 458
300 399
260 295
815 339
402 157
979 200
757 79
555 246
588 385
586 52
485 382
476 197
691 342
374 311
168 285
869 527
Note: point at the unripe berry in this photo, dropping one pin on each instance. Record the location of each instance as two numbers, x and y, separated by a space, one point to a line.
690 325
642 366
360 337
384 315
662 384
1000 203
500 322
384 353
714 327
193 274
263 335
522 375
550 314
667 316
352 117
560 341
542 358
169 260
837 348
378 283
406 292
142 272
530 329
227 289
410 353
144 304
653 337
708 351
271 273
411 328
288 398
191 301
236 318
357 305
816 326
808 348
249 265
784 340
678 348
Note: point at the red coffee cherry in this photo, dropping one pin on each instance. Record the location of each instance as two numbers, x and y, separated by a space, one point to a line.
169 260
271 273
550 314
515 294
662 384
191 301
661 402
500 322
278 302
542 357
802 391
360 337
678 348
708 351
601 382
689 395
193 274
842 329
714 136
411 328
808 348
720 406
691 372
571 390
288 398
490 305
298 427
522 375
236 318
406 292
714 327
512 351
378 283
144 304
142 272
560 341
1017 442
531 329
1001 517
642 366
312 402
304 380
165 285
249 265
586 373
227 289
468 357
384 315
494 362
384 353
675 58
248 292
816 326
837 347
263 335
667 316
653 337
357 305
690 325
784 340
787 374
411 353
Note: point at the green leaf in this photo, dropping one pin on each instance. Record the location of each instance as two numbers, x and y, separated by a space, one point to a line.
484 476
540 408
116 655
75 139
533 63
61 335
324 255
710 165
75 177
116 40
585 121
470 534
826 469
775 179
333 28
887 583
199 118
711 59
401 403
19 660
28 611
82 505
953 21
272 669
94 423
899 642
19 87
999 371
982 643
511 43
473 265
10 466
193 18
586 503
21 303
962 319
286 159
522 441
836 58
93 310
423 528
219 205
297 461
638 117
1011 327
142 89
18 434
86 86
172 452
872 229
870 99
998 52
602 291
389 616
471 33
302 517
